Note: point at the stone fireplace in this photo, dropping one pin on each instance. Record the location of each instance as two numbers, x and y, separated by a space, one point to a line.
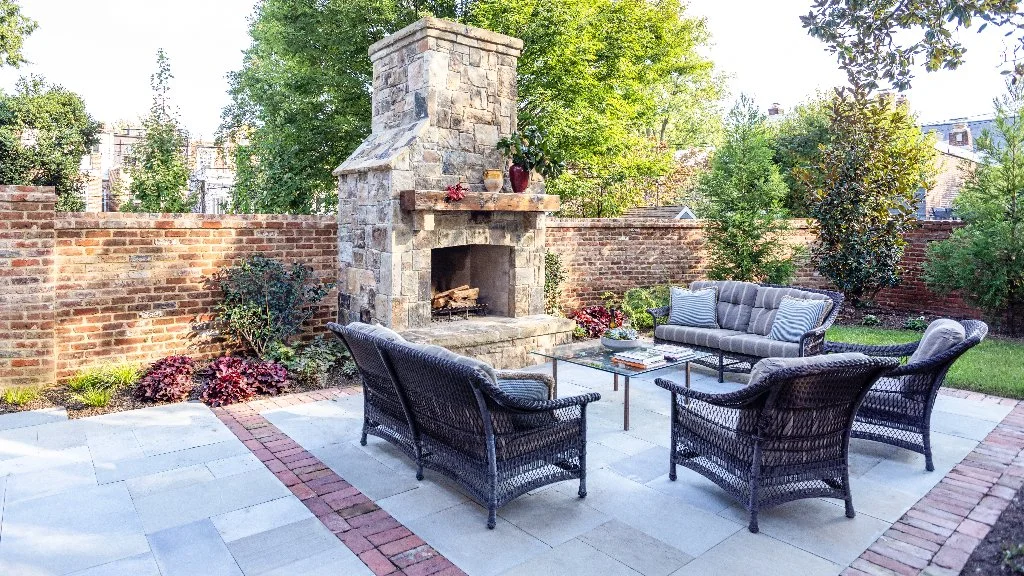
443 95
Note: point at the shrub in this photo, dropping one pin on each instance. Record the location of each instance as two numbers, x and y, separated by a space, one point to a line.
915 323
870 320
265 302
594 320
865 185
267 376
228 382
167 380
311 363
744 192
21 395
636 301
984 259
554 276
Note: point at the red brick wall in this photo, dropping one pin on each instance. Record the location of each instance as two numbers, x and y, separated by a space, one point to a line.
82 289
26 285
615 254
134 286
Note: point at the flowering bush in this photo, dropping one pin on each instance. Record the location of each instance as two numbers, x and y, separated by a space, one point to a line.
596 319
229 381
232 379
167 380
455 193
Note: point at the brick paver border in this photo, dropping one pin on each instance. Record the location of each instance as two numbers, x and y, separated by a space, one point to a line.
380 541
939 533
934 538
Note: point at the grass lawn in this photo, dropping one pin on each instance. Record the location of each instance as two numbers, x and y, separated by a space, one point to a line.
994 367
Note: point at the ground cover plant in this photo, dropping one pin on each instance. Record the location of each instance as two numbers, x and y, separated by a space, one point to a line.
992 367
96 386
167 380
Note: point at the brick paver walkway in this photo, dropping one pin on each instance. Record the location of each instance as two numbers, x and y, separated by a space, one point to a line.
380 541
937 535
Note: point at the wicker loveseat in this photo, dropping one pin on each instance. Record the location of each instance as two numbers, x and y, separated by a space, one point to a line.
783 437
745 315
495 433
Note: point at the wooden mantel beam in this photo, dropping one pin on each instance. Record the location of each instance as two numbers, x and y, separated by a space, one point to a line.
433 200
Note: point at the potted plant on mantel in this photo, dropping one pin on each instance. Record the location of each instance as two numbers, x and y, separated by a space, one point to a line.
528 151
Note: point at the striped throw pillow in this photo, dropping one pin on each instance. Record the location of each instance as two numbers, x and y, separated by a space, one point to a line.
697 308
795 317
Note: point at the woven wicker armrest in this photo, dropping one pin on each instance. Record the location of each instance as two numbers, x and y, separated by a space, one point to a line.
517 375
891 351
735 399
517 403
658 314
813 342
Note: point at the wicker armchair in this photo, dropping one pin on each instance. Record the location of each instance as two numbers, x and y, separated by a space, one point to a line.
496 446
898 409
784 437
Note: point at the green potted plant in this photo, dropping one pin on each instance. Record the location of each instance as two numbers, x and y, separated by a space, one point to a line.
528 151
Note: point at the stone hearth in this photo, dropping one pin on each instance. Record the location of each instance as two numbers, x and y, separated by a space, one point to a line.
443 95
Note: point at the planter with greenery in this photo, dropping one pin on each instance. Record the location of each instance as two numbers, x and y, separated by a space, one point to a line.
529 152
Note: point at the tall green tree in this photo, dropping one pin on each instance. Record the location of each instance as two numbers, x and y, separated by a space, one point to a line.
14 27
157 164
866 183
744 192
798 141
882 40
984 259
596 76
44 132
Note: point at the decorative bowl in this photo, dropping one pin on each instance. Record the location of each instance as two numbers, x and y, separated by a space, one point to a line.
619 345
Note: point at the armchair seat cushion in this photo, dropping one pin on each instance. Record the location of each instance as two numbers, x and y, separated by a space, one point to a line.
707 337
760 346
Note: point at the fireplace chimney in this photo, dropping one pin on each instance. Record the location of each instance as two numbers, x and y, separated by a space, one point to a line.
776 109
960 135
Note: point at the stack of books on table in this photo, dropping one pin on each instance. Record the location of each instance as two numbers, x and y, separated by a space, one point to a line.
673 352
640 359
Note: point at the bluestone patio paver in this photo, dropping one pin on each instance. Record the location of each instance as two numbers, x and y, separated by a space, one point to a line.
276 548
569 557
140 565
244 522
648 556
191 549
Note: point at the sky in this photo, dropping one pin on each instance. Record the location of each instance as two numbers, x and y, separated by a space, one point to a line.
105 50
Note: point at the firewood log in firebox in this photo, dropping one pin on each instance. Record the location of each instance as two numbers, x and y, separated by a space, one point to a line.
460 297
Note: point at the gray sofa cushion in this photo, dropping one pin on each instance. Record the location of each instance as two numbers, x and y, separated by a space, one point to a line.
941 335
706 337
447 354
768 301
771 365
760 346
735 302
376 330
525 389
693 307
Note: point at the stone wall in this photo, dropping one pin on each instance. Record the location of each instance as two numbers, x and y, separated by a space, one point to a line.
616 254
101 287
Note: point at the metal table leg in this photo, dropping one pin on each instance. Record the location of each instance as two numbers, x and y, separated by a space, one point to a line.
554 376
687 399
615 385
625 400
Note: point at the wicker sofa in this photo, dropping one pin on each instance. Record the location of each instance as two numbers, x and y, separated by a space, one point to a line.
497 434
745 315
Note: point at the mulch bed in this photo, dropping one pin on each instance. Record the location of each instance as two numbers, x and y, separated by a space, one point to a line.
1007 534
61 397
887 318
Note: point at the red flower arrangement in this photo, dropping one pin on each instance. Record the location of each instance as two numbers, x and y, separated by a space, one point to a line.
594 320
455 193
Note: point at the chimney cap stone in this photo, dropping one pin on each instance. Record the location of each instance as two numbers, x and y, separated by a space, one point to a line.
449 31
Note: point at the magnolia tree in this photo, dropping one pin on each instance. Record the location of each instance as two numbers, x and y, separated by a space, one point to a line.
866 181
984 259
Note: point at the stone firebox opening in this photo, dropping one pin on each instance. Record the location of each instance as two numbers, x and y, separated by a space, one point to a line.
487 268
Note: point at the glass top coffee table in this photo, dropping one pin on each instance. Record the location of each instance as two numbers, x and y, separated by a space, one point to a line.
594 355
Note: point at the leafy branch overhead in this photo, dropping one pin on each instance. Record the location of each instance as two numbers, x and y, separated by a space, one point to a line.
883 40
14 28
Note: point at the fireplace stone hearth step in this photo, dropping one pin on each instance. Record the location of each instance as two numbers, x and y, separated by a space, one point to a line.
504 343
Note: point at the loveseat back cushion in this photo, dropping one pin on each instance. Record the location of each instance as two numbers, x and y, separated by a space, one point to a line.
768 301
698 308
941 335
769 366
795 317
446 354
735 301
